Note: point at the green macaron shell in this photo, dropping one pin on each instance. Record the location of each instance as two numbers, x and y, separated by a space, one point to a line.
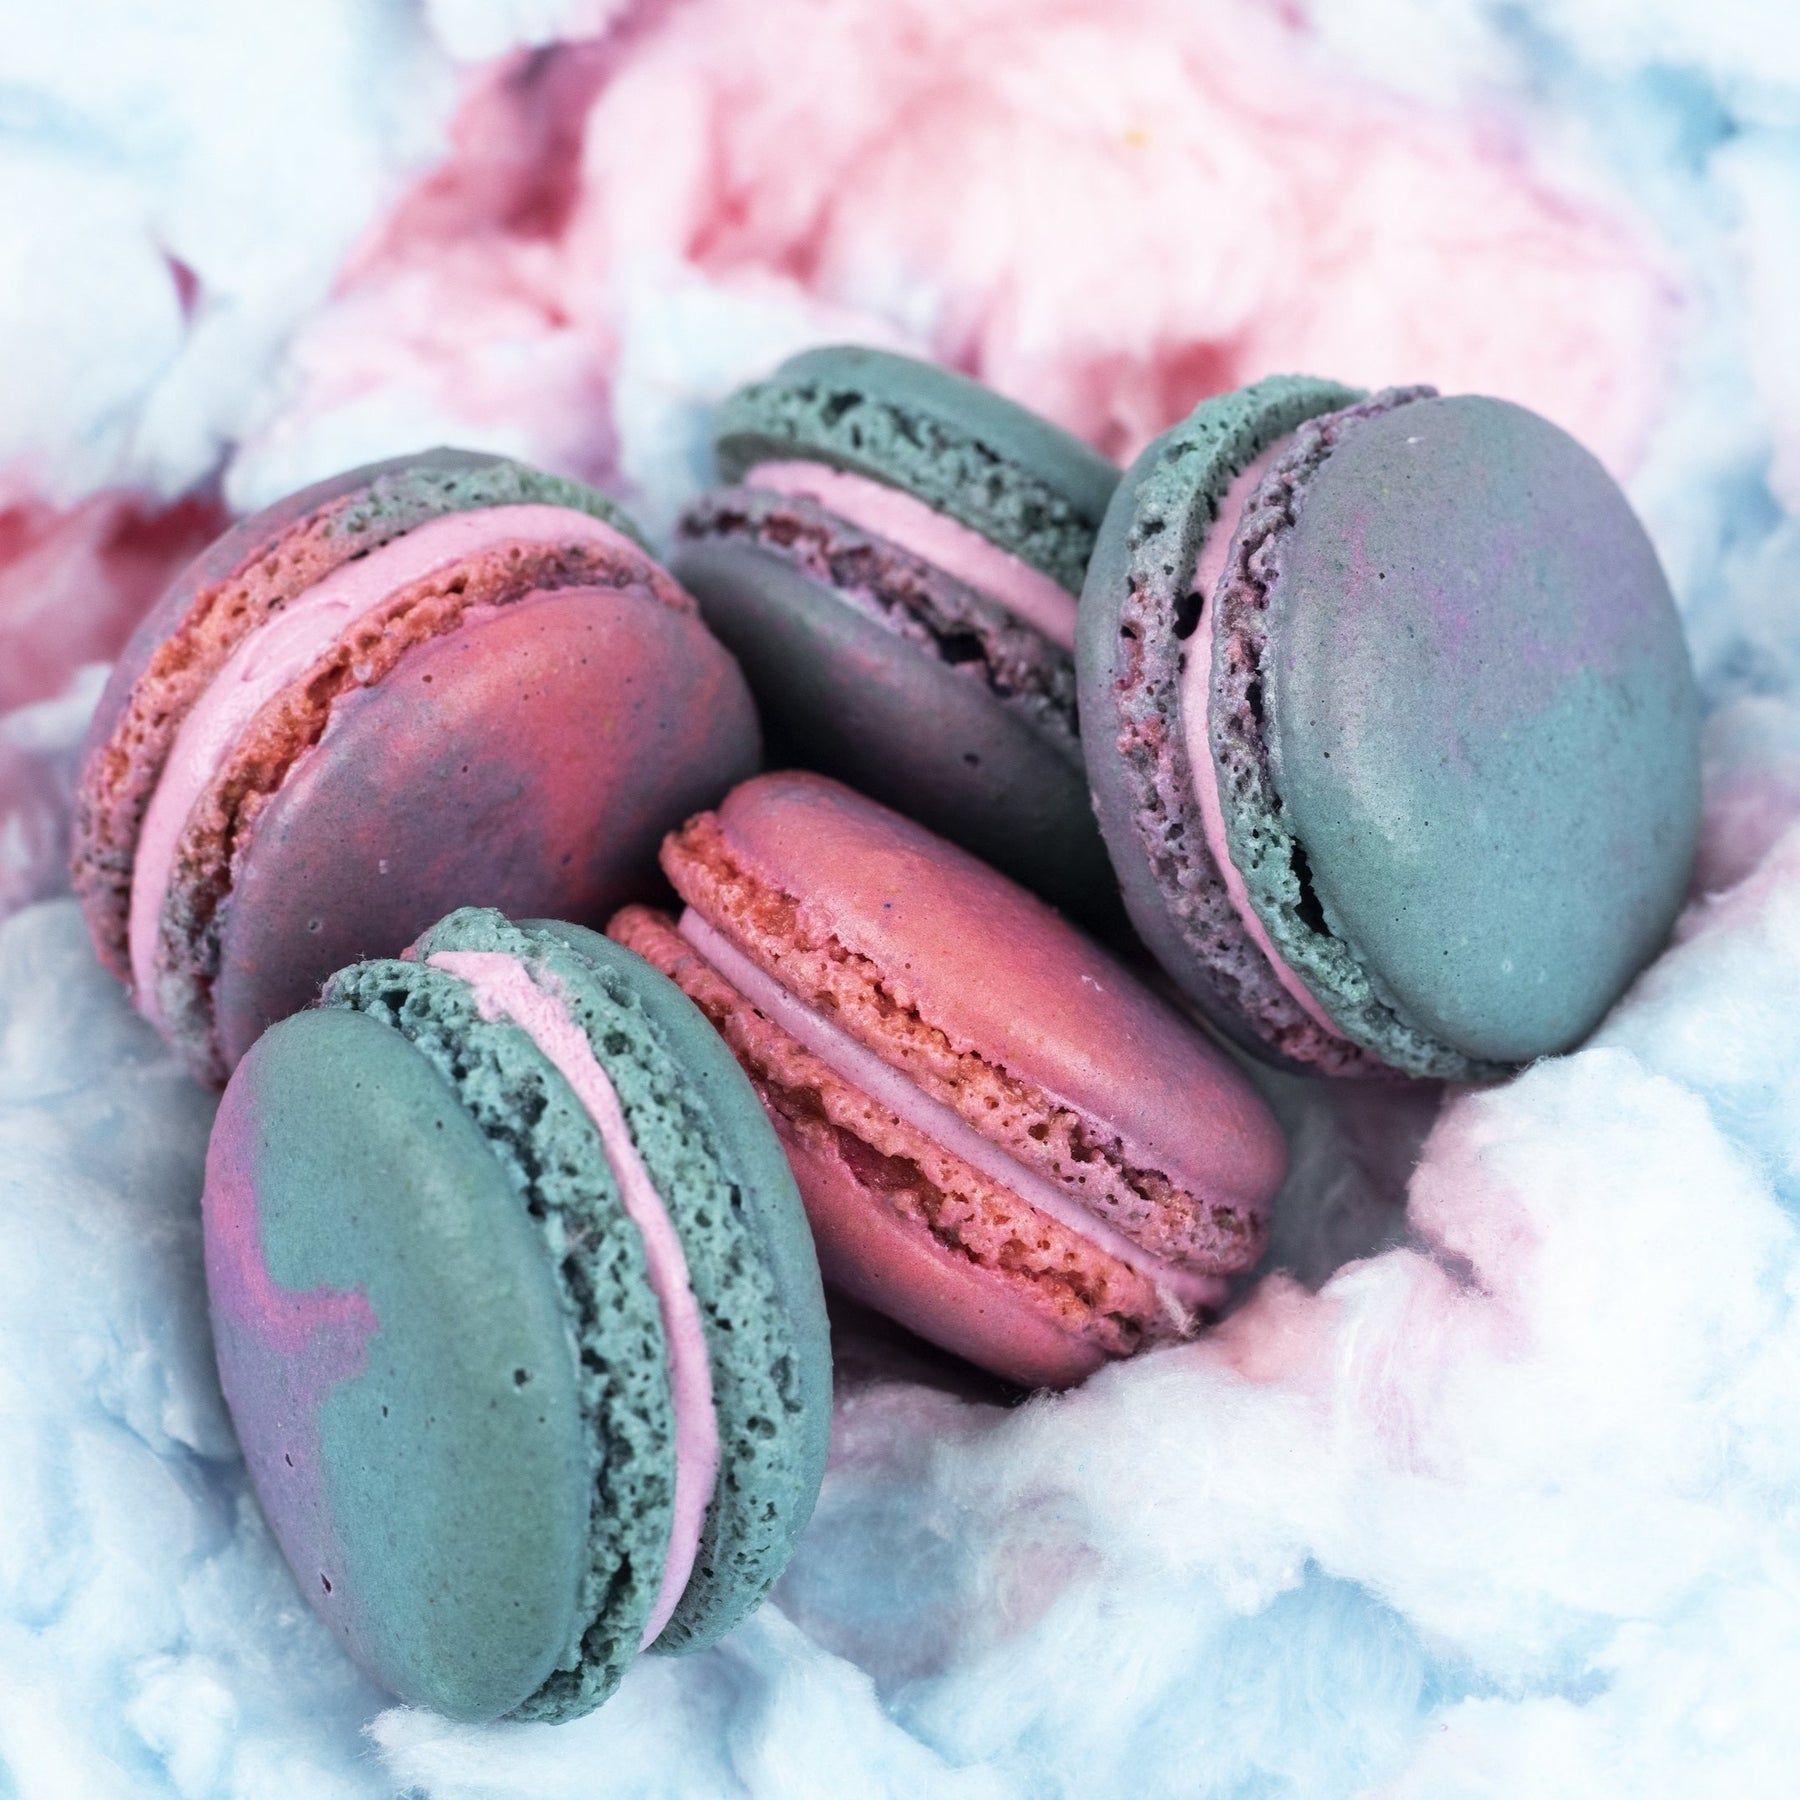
409 492
720 1171
991 465
553 1157
1138 614
1466 806
391 1340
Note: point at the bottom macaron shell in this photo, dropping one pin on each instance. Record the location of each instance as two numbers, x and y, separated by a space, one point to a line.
873 1254
841 694
530 761
397 1365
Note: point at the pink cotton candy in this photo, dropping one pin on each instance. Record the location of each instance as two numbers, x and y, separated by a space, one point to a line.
505 988
1223 204
934 537
74 582
279 652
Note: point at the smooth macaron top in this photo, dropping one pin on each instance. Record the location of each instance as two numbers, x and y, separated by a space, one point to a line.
1093 1082
990 464
457 1380
1450 712
246 576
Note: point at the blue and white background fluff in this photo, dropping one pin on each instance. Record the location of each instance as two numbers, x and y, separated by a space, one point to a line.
1492 1486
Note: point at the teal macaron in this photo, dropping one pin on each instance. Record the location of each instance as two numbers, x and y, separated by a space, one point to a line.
517 1315
894 557
1391 726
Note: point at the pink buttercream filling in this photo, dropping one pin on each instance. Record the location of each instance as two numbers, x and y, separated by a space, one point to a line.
505 988
934 537
1180 1289
1196 697
279 651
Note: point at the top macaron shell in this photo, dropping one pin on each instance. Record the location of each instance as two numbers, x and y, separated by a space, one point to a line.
451 1381
872 661
1451 711
259 563
964 449
515 723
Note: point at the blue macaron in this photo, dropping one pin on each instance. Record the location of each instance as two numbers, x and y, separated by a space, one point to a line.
517 1315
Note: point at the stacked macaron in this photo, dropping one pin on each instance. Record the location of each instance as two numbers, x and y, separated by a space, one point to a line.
442 679
1002 1139
895 562
1391 727
517 1317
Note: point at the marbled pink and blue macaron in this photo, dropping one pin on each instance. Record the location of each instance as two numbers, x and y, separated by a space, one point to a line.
443 679
895 562
1391 727
517 1316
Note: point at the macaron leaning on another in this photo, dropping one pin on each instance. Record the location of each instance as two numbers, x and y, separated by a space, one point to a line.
1391 726
895 562
1002 1139
517 1317
447 678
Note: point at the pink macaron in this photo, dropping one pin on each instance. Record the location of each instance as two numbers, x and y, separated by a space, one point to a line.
1003 1139
443 680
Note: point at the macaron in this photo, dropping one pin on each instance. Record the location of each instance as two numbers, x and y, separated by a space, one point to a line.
1391 727
447 678
1003 1140
895 561
516 1315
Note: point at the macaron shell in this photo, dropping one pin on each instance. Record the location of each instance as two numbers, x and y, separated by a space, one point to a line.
997 467
1133 634
1481 723
397 1365
563 1180
530 759
269 556
848 696
993 970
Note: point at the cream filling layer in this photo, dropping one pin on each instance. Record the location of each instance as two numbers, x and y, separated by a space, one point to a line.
280 651
1196 703
505 988
1181 1290
934 537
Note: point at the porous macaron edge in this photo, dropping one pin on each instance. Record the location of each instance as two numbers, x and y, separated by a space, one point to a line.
750 1260
1138 611
987 462
1263 845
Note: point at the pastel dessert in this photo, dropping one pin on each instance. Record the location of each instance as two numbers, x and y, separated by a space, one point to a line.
441 679
1002 1139
895 562
1391 726
517 1317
